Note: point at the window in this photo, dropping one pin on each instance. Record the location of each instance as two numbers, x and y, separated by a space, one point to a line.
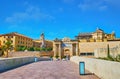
11 41
90 54
87 54
3 41
82 54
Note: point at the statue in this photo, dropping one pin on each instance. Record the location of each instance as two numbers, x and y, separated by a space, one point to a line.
43 40
66 39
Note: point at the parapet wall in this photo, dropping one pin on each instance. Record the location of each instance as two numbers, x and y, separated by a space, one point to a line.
102 52
31 53
8 63
102 68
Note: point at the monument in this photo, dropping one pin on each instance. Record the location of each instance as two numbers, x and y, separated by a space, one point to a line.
42 38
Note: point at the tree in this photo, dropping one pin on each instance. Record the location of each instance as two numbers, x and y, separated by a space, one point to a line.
108 51
36 49
21 48
1 52
49 49
6 48
30 49
43 49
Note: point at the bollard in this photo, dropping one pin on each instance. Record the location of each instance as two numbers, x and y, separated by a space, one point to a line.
67 57
82 68
51 59
36 59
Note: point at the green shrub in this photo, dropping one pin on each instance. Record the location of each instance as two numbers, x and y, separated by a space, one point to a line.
110 58
56 56
1 53
51 56
118 58
64 56
30 49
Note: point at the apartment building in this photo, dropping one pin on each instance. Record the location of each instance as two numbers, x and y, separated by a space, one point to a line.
16 39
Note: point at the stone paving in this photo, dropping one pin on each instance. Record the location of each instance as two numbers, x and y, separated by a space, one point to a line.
47 70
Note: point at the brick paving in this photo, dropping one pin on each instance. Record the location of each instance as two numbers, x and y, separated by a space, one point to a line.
46 70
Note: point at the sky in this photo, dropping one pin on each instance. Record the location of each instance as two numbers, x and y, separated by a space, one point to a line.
59 18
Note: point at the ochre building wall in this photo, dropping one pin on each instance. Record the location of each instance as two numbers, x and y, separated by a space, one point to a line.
91 46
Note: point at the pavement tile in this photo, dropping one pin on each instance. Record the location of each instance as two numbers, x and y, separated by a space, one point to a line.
46 70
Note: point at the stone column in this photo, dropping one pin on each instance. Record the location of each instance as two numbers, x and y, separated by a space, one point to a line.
60 51
72 50
55 50
76 49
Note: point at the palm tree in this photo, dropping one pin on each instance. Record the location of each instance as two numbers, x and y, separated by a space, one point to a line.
3 49
6 48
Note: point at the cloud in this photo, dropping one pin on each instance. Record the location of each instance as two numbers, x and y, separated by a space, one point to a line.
100 5
30 13
115 3
93 5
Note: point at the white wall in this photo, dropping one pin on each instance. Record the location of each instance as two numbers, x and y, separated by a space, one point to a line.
8 63
102 68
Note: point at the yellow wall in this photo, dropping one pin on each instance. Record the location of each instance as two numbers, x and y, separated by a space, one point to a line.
23 41
0 44
17 40
47 42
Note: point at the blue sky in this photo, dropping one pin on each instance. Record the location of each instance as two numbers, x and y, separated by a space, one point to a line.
59 18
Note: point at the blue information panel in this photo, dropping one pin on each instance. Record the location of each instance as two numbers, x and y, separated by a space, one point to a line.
82 68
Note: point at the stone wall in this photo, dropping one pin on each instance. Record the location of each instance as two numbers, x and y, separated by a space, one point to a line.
91 46
30 53
102 52
102 68
8 63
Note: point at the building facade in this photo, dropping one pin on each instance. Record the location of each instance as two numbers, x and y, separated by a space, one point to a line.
84 44
0 44
65 47
36 44
16 39
98 36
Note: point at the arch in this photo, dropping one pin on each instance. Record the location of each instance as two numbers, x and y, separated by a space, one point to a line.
66 52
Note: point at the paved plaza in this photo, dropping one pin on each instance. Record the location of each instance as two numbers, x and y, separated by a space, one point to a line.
47 70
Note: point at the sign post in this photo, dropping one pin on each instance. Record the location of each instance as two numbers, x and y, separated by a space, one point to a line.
82 68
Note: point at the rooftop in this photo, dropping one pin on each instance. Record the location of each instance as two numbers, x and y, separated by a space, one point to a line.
85 34
14 34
